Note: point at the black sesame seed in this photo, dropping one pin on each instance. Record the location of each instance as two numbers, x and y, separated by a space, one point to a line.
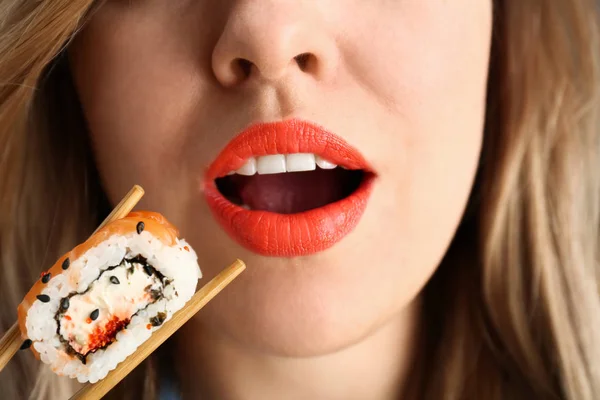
95 314
148 269
65 303
44 298
66 264
46 278
114 280
26 344
140 227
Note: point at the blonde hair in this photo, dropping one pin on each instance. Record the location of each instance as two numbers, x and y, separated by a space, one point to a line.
519 285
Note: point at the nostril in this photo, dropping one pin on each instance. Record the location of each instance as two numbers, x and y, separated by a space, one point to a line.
304 61
241 69
243 66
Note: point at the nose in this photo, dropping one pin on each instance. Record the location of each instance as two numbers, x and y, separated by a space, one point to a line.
265 40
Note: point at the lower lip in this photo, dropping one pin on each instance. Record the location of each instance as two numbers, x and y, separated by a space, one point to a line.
289 235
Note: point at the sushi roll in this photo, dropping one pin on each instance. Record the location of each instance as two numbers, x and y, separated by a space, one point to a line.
104 298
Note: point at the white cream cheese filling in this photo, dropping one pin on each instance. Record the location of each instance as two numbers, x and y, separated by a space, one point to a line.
116 295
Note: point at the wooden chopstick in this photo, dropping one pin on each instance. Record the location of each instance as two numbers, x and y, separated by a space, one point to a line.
199 300
10 344
11 341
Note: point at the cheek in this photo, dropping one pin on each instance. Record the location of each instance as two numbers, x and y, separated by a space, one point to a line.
137 103
426 71
430 76
444 131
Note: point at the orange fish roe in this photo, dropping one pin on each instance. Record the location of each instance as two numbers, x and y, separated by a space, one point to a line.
186 248
68 318
149 326
103 336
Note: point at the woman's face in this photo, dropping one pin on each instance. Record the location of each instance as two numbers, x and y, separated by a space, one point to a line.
401 83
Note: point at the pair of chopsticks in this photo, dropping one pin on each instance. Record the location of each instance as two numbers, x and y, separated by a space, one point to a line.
11 341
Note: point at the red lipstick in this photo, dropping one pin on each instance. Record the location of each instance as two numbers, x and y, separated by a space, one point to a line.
287 235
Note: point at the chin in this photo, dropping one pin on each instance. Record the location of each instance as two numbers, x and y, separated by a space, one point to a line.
290 319
306 307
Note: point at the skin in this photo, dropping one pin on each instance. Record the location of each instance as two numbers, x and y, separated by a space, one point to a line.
402 81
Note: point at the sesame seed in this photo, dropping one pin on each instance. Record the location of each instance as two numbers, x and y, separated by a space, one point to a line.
114 280
46 277
140 227
95 314
66 264
26 344
44 298
65 303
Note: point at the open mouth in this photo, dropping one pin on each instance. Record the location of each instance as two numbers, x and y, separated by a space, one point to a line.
288 188
289 184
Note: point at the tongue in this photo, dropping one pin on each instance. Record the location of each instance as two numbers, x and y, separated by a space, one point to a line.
297 191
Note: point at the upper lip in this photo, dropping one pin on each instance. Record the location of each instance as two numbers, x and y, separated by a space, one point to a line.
294 136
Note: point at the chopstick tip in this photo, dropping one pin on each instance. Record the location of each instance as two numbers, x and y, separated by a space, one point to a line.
240 264
139 189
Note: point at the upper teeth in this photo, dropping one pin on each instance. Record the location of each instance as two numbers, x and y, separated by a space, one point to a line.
278 163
